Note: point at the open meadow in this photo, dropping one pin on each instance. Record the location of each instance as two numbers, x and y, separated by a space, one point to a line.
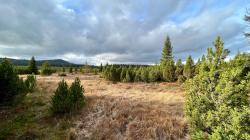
113 111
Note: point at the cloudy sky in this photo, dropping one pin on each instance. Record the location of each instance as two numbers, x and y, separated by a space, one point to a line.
118 31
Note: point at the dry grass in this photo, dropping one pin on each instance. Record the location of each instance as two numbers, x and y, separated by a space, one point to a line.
123 110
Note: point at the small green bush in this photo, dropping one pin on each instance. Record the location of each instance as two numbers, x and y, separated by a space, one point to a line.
76 95
60 100
66 99
70 70
46 69
30 83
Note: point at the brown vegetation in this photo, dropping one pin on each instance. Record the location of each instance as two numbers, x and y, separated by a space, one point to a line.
120 110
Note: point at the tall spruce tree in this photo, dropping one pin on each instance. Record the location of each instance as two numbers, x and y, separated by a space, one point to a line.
167 51
32 66
167 62
188 71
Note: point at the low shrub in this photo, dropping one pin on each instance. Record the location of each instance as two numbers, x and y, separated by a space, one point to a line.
76 97
66 100
30 83
46 69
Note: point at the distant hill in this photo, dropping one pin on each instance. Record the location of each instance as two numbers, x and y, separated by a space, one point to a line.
53 62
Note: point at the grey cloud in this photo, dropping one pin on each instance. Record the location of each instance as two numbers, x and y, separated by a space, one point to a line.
129 31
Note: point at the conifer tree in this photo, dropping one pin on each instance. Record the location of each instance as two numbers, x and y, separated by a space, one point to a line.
188 71
217 102
137 75
154 74
144 75
167 62
179 68
128 77
60 101
169 71
197 66
32 66
123 74
101 67
76 97
167 51
10 84
70 70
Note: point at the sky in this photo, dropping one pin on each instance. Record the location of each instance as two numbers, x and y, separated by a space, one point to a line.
119 31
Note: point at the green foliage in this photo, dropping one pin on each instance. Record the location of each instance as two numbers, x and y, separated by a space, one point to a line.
76 95
181 79
60 101
167 51
11 87
144 75
127 77
70 70
179 68
30 83
101 68
166 71
22 70
123 74
32 66
46 69
154 74
63 69
137 75
217 101
189 68
66 99
169 71
167 62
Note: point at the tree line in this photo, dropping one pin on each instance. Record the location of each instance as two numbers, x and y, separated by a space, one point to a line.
168 70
